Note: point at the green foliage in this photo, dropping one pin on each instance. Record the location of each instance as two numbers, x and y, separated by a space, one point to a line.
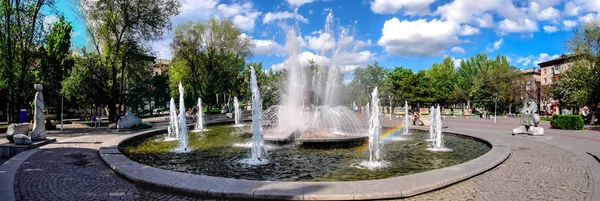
87 84
56 62
119 25
567 122
209 58
21 33
365 80
574 87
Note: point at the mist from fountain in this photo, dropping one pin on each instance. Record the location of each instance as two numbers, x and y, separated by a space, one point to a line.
173 129
182 146
406 119
309 108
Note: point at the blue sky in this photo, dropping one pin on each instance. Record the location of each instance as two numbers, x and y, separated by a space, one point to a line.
409 33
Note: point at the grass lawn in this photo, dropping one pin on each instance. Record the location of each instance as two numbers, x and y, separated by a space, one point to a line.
3 126
545 118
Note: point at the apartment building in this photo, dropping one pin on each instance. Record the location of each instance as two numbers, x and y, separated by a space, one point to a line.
551 69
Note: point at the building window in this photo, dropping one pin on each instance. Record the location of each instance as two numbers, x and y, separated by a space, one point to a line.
544 80
545 71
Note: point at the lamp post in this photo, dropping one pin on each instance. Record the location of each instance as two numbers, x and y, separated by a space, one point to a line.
390 107
61 111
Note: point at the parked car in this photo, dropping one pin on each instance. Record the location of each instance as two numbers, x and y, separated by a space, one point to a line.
159 109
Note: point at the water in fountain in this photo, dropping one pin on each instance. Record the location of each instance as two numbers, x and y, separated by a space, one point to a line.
438 144
310 107
432 124
237 113
375 161
199 125
173 129
183 136
406 119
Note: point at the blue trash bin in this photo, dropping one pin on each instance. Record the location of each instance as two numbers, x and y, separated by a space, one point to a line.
23 116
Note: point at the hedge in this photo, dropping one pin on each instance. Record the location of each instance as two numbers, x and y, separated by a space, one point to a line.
567 122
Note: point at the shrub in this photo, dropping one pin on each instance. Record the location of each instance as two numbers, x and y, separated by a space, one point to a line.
567 122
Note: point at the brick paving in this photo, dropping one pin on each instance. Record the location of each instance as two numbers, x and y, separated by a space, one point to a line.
71 169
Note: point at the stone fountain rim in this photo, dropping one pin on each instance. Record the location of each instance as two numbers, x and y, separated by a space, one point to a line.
393 187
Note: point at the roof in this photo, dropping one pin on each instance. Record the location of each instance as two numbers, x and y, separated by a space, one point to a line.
533 70
559 60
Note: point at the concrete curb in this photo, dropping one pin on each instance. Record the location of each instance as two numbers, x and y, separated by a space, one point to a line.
8 170
395 187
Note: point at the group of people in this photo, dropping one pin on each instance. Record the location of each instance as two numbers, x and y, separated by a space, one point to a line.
97 120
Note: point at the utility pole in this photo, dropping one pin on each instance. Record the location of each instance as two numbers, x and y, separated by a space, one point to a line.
391 109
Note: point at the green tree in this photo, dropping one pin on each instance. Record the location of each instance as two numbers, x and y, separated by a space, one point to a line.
87 83
585 46
21 31
573 89
111 23
209 57
56 62
365 80
443 79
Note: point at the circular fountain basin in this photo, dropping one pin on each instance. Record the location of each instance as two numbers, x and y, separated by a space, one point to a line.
333 165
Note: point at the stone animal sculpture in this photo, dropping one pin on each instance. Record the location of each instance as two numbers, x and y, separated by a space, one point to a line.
14 129
529 121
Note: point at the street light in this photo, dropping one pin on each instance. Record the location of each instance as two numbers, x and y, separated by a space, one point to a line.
61 111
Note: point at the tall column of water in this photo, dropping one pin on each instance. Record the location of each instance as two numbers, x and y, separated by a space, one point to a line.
199 125
374 128
257 130
432 124
368 110
183 141
173 122
406 119
438 128
236 107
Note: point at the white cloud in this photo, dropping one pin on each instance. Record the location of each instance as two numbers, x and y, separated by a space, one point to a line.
469 30
525 61
324 42
550 29
242 16
411 7
269 17
549 14
493 47
267 47
418 38
524 26
457 49
533 60
298 3
590 17
569 24
456 62
571 9
486 21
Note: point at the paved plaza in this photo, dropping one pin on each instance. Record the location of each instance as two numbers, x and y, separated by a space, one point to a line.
557 166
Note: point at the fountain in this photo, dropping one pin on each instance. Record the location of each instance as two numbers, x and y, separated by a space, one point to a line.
438 144
258 151
309 111
237 113
199 125
173 129
183 137
406 119
432 124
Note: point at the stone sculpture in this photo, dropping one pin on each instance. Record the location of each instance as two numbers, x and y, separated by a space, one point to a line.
39 129
529 121
14 129
21 139
129 121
